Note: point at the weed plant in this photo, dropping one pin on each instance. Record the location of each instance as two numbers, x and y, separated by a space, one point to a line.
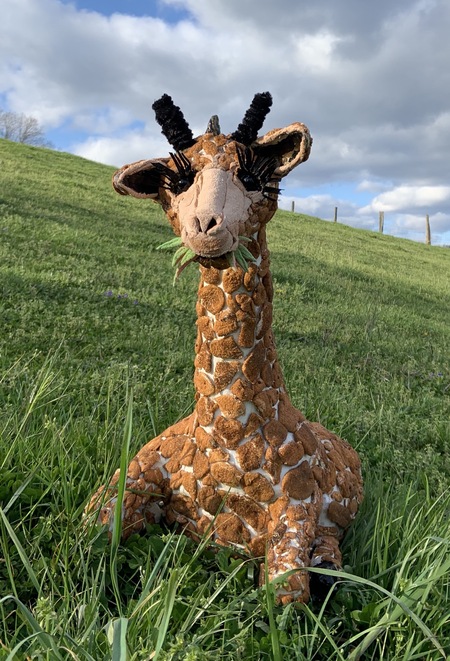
96 351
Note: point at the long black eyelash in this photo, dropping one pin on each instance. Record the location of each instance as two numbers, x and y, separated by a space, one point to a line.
178 181
183 164
260 169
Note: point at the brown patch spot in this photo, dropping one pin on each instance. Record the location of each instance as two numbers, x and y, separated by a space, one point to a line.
306 438
257 546
245 303
336 458
204 440
263 403
247 509
153 476
230 406
226 473
232 280
296 513
353 506
275 432
231 303
242 389
200 309
212 298
203 383
249 277
291 453
203 359
186 480
254 422
209 500
259 295
219 454
224 373
299 482
267 374
225 323
171 444
187 453
173 464
257 487
254 362
184 505
205 328
230 528
225 347
204 524
339 514
273 464
267 281
277 508
211 275
247 333
230 432
277 375
205 410
134 469
200 465
288 415
250 454
147 457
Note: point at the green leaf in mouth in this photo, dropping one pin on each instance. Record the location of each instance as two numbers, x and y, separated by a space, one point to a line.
184 256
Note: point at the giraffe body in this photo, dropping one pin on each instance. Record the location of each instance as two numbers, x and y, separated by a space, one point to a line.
245 467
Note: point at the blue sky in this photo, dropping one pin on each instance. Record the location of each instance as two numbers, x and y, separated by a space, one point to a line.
367 78
155 8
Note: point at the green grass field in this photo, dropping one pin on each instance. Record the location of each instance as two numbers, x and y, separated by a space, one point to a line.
96 353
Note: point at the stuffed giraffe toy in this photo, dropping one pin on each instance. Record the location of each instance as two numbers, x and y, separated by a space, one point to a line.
245 467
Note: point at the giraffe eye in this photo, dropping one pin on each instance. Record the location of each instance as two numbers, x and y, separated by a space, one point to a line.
185 173
257 172
176 181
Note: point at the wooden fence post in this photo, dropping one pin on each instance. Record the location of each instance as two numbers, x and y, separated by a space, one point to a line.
427 230
292 206
335 214
381 222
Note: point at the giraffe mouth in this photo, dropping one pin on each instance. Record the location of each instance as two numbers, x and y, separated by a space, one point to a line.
221 262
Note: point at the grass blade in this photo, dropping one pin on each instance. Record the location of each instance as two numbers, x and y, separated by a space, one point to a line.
119 645
117 525
20 550
168 608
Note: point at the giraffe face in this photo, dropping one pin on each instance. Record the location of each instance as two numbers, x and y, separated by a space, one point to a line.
216 189
218 202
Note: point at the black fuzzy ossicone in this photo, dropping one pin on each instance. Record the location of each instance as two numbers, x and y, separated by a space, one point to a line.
247 131
173 124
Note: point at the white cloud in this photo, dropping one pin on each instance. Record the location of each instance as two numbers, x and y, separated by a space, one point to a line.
408 197
110 150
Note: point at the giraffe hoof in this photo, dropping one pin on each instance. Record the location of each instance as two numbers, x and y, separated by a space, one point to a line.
321 584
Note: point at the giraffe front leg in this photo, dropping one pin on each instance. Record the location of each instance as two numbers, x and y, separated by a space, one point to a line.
326 554
146 492
289 548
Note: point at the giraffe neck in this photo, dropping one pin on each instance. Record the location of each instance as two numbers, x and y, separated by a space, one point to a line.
240 392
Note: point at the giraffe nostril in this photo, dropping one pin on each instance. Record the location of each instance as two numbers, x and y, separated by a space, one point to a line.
212 223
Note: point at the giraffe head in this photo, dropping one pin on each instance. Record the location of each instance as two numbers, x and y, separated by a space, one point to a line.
216 188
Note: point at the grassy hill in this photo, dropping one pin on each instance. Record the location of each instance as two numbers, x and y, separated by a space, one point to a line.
88 315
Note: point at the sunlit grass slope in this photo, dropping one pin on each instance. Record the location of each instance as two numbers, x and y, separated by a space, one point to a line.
88 315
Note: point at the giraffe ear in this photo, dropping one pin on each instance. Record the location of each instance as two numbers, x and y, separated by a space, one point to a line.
140 179
290 146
